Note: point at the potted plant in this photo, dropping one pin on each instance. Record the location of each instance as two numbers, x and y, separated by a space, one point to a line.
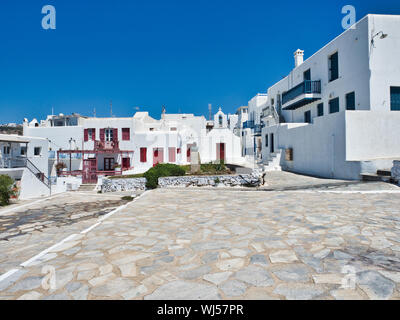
117 167
60 166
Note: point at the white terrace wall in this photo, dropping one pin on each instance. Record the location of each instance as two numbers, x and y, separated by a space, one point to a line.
372 135
318 148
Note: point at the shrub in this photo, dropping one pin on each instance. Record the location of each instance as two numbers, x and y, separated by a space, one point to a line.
6 190
162 170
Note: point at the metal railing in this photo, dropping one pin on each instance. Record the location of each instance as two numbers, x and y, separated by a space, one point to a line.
12 163
306 86
38 174
110 146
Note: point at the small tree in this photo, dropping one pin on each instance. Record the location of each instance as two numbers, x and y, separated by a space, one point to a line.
6 190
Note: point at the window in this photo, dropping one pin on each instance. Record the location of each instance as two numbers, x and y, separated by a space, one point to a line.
92 134
178 151
151 129
334 105
220 121
173 129
307 75
320 110
334 66
272 102
109 133
126 134
6 150
307 117
351 101
266 140
143 154
23 151
37 151
109 164
395 98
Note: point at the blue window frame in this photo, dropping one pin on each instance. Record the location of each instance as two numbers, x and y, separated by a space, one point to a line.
334 66
334 105
395 98
351 101
320 110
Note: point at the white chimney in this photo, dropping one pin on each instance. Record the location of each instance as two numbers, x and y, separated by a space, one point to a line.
298 57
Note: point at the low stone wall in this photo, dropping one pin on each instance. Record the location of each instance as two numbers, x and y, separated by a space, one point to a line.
396 171
130 184
249 180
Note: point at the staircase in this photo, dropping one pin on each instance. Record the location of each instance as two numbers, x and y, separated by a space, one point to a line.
38 174
273 163
381 175
87 187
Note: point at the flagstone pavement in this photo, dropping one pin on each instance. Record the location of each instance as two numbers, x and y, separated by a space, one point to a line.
212 244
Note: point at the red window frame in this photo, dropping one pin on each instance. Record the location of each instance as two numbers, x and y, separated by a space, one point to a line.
171 155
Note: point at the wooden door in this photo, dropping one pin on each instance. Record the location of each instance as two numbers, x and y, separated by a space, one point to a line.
221 152
158 156
89 173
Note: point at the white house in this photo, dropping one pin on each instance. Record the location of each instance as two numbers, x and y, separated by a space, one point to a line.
337 114
25 160
92 147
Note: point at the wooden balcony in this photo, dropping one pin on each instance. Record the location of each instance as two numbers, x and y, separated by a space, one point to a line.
106 146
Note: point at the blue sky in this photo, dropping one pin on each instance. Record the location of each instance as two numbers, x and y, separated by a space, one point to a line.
184 54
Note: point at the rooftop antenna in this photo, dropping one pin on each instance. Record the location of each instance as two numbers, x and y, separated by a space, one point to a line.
94 112
209 111
164 110
52 111
111 113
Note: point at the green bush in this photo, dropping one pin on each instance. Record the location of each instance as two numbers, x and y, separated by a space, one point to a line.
6 189
162 170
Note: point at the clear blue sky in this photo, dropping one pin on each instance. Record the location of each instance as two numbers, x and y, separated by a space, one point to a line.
184 54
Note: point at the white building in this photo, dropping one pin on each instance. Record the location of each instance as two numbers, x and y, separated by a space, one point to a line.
25 159
93 147
337 113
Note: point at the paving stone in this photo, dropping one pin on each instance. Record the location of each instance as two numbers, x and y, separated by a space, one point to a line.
255 276
230 264
128 270
328 278
259 259
233 288
298 292
346 294
135 292
27 284
33 295
195 273
290 273
112 288
183 290
210 257
283 256
375 285
217 278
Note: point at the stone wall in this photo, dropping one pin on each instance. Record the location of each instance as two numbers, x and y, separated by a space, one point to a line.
396 171
130 184
201 181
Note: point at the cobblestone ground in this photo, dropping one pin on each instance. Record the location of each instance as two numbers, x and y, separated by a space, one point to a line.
219 244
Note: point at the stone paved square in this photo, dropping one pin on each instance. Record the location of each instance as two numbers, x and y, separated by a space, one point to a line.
218 244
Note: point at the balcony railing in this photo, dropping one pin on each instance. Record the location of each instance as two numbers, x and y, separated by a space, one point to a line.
12 163
248 124
106 146
305 87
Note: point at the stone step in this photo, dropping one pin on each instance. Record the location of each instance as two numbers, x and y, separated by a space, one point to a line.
386 173
374 177
87 187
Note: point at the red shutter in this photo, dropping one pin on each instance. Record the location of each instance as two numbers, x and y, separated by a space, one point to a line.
93 134
115 135
172 157
178 150
143 154
126 134
102 135
85 135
